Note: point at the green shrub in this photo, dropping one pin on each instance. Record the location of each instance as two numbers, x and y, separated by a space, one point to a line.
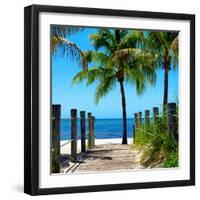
171 160
159 148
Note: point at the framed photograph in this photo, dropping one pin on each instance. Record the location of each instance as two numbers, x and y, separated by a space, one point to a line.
109 99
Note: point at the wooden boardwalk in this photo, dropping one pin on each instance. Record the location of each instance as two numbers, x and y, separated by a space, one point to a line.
107 157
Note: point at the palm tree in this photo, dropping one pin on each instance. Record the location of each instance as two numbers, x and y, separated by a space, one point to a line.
165 45
60 43
118 60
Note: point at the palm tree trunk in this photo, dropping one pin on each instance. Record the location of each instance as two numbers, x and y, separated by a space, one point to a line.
165 98
166 71
124 139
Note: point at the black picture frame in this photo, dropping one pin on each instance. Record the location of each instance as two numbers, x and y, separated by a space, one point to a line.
31 99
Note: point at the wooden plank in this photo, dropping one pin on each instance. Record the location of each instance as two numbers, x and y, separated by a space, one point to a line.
108 157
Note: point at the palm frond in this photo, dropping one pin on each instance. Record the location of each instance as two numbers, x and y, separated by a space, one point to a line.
69 49
163 44
140 76
80 77
131 75
140 86
154 42
161 36
63 31
91 75
130 55
124 58
131 40
98 58
103 39
94 74
104 87
174 49
174 45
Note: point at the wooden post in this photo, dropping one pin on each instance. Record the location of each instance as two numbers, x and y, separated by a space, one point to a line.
135 126
92 135
82 123
140 119
147 115
133 133
55 139
155 114
89 130
74 134
135 120
171 120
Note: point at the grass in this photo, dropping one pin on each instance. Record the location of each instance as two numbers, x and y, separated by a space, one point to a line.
159 149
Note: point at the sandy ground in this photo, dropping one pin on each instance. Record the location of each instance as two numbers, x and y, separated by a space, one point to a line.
66 148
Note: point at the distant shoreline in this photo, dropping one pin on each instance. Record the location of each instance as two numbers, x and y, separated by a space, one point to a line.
104 128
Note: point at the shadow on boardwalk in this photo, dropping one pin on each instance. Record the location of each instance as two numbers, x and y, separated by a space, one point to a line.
105 157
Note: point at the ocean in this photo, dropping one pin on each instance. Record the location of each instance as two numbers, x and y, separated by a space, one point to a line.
104 128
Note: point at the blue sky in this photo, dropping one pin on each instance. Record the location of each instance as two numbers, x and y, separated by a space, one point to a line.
82 98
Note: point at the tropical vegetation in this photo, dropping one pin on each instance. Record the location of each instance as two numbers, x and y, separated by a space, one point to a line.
60 44
165 46
118 58
159 148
